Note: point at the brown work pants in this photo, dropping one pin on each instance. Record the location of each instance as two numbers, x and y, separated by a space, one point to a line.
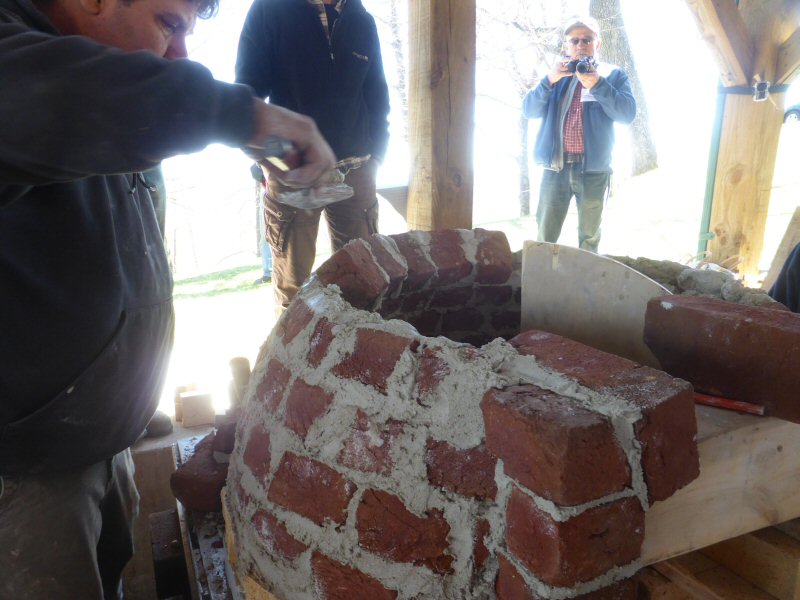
292 232
69 534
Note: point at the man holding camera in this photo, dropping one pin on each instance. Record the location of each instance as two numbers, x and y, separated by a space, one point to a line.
578 101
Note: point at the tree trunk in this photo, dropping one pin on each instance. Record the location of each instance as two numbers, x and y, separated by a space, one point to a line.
616 49
400 60
524 170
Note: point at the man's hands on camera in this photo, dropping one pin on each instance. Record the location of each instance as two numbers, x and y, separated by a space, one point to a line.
310 157
561 69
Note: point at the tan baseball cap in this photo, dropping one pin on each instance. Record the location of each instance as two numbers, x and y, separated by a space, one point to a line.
578 21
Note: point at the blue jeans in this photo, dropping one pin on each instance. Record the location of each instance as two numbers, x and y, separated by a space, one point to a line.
263 246
555 194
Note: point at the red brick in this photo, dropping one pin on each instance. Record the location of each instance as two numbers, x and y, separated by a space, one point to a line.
466 472
493 295
198 482
420 268
387 527
506 321
448 255
311 489
363 452
579 549
374 358
305 404
294 320
551 445
450 297
257 452
414 301
335 581
464 319
354 270
273 384
395 271
431 371
426 322
225 438
275 538
509 584
668 428
729 350
493 258
320 341
480 552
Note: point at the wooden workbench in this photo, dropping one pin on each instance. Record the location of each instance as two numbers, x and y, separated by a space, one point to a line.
749 479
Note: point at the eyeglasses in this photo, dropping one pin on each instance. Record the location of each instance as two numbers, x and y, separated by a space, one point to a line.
586 41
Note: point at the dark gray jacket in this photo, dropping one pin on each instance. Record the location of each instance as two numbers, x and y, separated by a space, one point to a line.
86 315
285 55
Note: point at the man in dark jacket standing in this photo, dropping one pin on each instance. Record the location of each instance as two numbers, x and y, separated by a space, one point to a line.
321 58
578 101
87 102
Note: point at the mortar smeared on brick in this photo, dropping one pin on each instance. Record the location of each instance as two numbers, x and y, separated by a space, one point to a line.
405 463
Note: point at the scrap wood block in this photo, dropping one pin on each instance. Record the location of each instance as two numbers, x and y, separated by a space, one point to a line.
768 558
197 409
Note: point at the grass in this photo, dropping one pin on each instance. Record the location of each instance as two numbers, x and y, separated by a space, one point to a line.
237 279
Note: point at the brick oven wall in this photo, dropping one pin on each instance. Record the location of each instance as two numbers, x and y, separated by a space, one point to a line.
380 455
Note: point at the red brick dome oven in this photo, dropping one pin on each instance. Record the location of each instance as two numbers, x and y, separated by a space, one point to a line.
402 439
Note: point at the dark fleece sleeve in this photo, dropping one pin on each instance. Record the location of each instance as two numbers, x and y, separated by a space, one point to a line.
786 288
72 108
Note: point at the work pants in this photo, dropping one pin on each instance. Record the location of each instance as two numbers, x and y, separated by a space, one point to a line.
292 232
556 192
67 535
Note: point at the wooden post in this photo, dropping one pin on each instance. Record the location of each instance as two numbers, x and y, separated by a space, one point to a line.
747 153
755 42
441 113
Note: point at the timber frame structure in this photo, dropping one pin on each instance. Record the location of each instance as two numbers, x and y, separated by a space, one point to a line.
753 41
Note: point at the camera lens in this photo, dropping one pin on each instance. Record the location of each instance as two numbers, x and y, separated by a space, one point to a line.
583 67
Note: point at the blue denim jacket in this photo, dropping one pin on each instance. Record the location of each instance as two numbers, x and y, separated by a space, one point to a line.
613 102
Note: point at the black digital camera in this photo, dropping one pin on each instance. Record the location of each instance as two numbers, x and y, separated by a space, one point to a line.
586 64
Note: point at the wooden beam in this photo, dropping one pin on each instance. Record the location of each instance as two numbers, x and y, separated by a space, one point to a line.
441 113
725 31
789 59
748 480
743 184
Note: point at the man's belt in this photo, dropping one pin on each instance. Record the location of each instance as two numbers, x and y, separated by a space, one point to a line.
570 157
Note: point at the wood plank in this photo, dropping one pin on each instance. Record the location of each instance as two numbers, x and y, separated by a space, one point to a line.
748 480
790 239
767 558
743 183
788 66
730 586
153 468
723 28
442 58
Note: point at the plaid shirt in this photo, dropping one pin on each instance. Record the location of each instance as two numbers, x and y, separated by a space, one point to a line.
573 124
351 162
323 17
